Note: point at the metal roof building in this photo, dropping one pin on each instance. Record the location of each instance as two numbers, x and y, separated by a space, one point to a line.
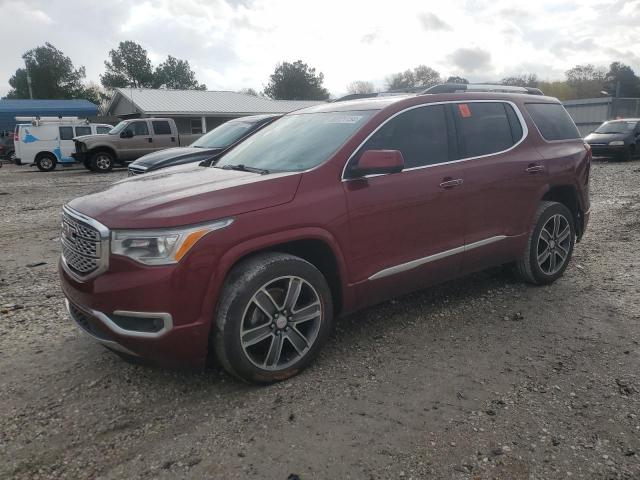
589 113
9 109
195 111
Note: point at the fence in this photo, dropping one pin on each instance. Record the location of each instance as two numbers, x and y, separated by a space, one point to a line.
589 113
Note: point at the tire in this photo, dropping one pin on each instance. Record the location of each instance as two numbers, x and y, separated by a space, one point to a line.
101 162
238 312
533 267
46 162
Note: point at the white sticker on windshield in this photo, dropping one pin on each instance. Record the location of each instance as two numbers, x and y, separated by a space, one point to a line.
344 119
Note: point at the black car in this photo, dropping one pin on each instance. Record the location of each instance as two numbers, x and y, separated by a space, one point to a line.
616 138
207 148
7 150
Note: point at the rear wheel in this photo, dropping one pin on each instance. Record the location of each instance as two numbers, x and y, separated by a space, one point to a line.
46 162
101 162
274 315
549 246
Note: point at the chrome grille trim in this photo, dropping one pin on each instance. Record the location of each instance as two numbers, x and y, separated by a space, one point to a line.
84 244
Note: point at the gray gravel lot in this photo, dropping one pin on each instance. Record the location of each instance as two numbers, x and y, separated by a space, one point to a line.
480 378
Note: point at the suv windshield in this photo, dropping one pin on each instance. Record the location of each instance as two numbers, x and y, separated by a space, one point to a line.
296 142
616 127
224 135
118 128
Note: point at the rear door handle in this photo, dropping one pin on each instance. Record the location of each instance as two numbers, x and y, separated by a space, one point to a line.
534 168
448 183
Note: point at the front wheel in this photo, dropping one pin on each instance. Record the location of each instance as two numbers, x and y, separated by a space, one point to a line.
46 163
274 314
549 246
87 164
101 162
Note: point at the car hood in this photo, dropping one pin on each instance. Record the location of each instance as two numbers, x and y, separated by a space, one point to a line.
184 195
605 137
174 156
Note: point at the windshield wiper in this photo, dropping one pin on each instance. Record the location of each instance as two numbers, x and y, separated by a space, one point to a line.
244 168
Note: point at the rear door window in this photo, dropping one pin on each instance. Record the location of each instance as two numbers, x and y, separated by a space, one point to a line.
420 134
161 127
553 121
66 133
486 127
83 131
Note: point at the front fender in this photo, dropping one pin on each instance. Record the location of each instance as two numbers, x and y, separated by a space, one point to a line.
266 242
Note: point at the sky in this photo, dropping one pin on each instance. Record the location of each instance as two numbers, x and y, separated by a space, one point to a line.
235 44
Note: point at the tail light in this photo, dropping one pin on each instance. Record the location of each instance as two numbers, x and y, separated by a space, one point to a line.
15 134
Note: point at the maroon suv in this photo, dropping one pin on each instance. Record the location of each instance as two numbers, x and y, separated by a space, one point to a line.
323 212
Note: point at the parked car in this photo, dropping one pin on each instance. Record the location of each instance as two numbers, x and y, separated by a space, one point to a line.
209 147
7 150
48 141
127 141
616 138
328 210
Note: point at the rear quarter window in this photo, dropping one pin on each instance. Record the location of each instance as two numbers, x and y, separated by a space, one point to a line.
486 127
553 121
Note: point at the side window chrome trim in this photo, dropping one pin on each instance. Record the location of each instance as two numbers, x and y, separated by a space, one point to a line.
523 124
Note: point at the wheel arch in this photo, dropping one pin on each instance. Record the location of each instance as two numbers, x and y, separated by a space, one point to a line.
103 148
315 245
569 197
45 153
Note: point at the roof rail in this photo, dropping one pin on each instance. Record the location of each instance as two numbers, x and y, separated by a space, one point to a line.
480 87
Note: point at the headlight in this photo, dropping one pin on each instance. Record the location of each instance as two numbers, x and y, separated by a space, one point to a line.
161 247
616 143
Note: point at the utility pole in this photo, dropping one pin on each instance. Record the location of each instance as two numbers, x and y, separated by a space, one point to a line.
28 80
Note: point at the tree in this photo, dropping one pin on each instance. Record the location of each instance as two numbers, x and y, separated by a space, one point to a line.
53 75
586 80
420 76
621 81
129 67
360 86
248 91
176 74
456 79
560 90
524 80
296 81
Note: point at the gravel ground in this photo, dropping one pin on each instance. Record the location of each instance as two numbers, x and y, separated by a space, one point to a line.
483 377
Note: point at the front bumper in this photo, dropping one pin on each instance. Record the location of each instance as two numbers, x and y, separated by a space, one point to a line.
115 307
599 150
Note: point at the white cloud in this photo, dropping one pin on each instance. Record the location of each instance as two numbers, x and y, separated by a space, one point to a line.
235 44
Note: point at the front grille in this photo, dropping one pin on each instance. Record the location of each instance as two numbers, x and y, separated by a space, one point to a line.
81 246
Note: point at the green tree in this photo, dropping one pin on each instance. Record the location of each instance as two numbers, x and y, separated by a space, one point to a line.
456 79
248 91
587 81
53 75
560 90
420 76
176 74
296 81
524 80
129 66
360 86
622 81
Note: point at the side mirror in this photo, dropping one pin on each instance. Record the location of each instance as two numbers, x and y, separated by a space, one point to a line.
376 162
126 134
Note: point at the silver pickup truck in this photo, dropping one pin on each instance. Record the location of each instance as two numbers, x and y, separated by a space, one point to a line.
127 141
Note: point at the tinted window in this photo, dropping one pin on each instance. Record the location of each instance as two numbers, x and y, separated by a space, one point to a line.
138 128
103 129
553 121
224 135
420 134
485 128
161 127
66 133
83 131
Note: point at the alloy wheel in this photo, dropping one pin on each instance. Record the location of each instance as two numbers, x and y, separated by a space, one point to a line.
103 162
554 244
281 323
46 163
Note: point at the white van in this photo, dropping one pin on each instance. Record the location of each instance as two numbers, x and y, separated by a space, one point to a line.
47 141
